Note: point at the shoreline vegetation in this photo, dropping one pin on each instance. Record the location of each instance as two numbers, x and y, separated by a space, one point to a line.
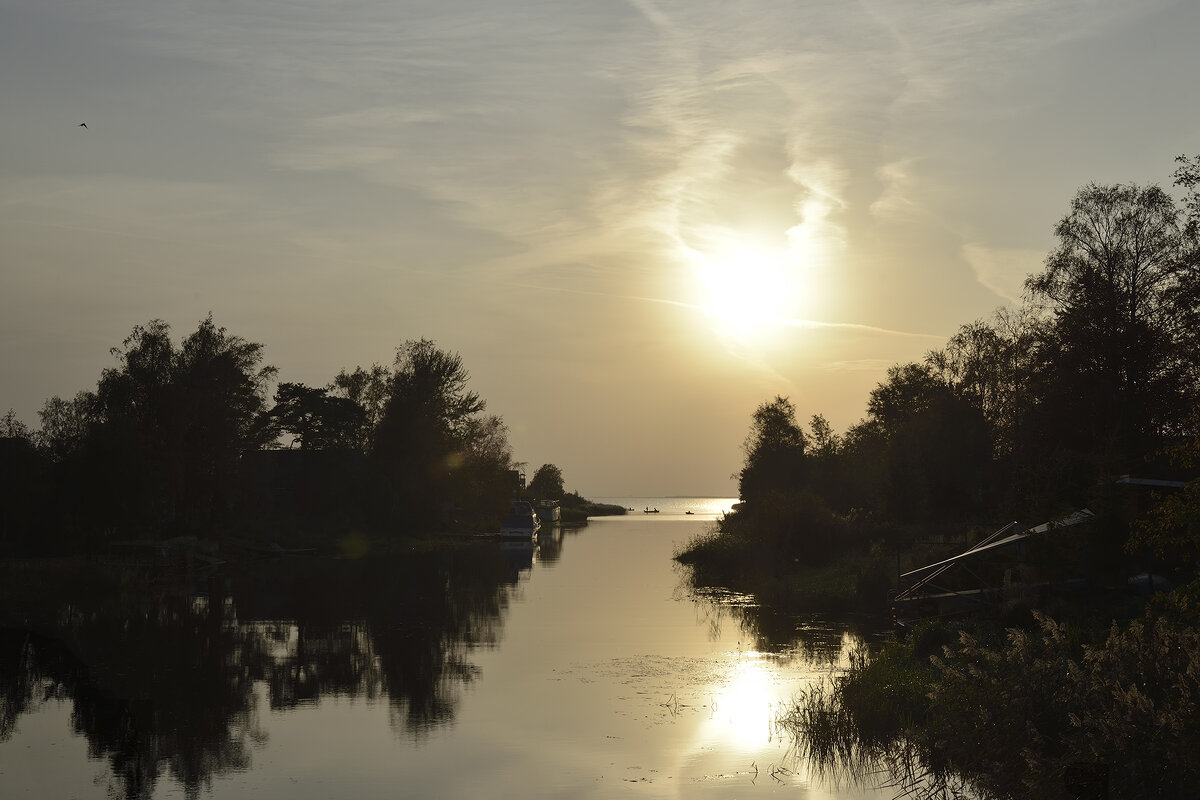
1050 709
732 554
182 453
237 545
1076 673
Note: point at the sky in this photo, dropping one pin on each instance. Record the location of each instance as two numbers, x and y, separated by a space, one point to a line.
634 220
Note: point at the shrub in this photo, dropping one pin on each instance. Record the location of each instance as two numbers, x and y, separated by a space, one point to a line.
1035 713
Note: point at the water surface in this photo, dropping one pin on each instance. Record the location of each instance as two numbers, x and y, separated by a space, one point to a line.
582 667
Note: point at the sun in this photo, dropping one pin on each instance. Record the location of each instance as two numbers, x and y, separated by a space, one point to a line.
745 291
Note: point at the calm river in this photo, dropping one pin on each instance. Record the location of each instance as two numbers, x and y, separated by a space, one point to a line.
584 667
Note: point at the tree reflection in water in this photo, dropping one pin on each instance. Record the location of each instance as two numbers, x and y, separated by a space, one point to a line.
164 677
822 639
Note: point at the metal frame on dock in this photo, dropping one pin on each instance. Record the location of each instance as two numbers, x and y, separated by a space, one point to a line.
921 590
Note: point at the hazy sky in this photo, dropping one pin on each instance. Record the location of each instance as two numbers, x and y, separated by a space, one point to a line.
635 221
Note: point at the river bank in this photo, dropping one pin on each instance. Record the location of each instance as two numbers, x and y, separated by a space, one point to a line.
1050 709
1097 701
835 565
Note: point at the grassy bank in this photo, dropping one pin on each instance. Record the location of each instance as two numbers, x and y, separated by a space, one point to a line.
1100 701
577 509
833 567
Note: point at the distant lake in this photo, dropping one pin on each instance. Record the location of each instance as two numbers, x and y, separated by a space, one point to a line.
581 667
704 507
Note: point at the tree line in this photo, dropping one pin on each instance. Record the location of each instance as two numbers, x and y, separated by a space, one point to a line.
1096 375
176 439
1036 411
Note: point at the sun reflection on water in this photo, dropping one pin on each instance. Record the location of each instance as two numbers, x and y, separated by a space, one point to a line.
744 711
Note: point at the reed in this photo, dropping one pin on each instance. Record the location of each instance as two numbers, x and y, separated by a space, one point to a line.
1022 712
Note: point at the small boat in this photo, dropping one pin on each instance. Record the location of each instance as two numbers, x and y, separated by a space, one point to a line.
649 510
689 512
549 512
521 522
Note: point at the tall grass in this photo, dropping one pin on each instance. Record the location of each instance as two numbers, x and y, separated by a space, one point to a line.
1020 713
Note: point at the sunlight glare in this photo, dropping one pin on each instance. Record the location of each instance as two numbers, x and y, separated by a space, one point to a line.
746 290
745 710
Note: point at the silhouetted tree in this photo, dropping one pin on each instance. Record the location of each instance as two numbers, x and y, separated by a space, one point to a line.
1187 176
826 475
1003 368
369 389
908 391
1113 285
864 467
547 483
314 419
22 469
825 443
159 440
13 428
66 424
774 451
936 444
221 390
425 428
479 479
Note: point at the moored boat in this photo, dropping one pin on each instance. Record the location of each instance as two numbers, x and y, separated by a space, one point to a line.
549 512
521 522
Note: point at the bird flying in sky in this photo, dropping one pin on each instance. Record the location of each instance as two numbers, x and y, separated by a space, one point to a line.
83 124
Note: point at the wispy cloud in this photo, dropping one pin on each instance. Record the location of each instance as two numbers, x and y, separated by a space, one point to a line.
678 117
868 365
1003 270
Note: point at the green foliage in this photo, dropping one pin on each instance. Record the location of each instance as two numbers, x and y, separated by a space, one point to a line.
1171 528
885 694
858 723
1137 698
994 710
1020 716
1029 714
